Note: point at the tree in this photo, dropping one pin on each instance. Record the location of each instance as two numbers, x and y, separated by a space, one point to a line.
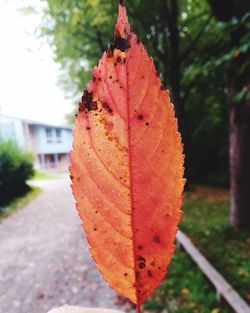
185 42
236 13
171 30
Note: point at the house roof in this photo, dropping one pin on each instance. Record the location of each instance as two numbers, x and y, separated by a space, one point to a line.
33 122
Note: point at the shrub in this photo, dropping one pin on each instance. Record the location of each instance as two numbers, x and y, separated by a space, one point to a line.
16 166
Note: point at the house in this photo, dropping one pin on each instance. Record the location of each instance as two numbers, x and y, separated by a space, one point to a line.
50 144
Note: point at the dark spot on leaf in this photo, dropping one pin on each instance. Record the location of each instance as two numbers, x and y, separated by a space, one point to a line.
141 265
157 239
147 123
153 263
125 274
96 212
110 77
124 60
109 53
120 43
140 247
137 275
95 229
140 117
71 177
150 274
107 108
88 128
87 102
140 258
119 59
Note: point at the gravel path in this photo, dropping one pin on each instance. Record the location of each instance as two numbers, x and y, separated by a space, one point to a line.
44 261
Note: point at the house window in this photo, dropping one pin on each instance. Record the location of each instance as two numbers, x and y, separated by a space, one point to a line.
58 135
49 134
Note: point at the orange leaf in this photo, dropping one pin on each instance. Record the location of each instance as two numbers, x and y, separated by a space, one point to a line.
127 167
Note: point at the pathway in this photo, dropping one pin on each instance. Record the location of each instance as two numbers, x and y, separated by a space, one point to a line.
44 260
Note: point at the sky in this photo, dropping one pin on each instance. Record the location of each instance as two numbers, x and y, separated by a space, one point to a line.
28 74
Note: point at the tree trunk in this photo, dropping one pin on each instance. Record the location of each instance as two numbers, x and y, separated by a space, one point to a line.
239 114
175 79
239 119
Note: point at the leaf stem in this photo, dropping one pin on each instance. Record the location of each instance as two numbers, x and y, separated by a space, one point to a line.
138 308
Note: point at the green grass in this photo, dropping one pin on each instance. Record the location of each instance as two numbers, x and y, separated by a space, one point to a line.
185 290
19 202
205 221
41 175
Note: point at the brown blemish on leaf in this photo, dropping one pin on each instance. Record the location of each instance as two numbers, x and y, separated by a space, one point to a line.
142 265
109 53
87 102
140 247
107 108
157 239
140 117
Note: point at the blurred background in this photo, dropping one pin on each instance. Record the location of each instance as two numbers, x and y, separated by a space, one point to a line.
201 49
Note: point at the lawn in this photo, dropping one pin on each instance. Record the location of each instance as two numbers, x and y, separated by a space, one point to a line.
19 202
185 290
205 221
46 175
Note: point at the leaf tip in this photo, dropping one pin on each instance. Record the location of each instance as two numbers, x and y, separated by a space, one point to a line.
122 20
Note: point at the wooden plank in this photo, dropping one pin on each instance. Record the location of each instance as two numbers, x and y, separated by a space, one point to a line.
222 286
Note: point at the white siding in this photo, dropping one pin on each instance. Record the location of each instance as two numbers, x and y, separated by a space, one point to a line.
45 146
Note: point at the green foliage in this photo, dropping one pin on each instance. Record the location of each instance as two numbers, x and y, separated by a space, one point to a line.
19 202
16 167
